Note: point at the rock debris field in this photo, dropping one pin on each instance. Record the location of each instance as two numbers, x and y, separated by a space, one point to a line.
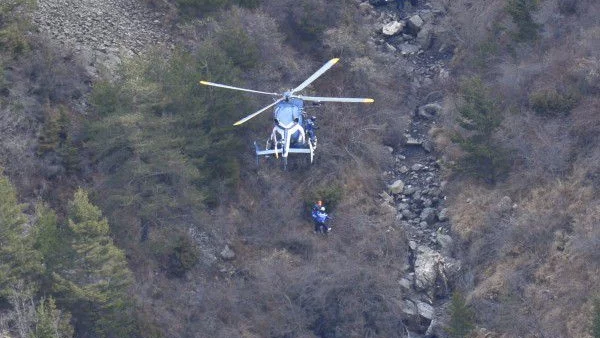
101 32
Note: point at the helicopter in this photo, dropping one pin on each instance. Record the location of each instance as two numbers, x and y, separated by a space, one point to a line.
292 131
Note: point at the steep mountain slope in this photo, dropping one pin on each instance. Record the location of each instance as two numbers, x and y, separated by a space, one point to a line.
483 139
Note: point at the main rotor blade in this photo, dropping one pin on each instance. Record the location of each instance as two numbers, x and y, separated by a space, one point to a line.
206 83
254 114
334 99
318 73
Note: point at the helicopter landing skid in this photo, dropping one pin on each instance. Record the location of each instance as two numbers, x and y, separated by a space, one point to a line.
279 152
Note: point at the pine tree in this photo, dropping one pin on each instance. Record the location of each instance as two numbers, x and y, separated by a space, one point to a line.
52 322
97 282
480 116
49 137
50 239
19 261
521 13
461 317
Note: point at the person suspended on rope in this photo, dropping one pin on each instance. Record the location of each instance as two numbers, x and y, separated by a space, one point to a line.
311 126
320 218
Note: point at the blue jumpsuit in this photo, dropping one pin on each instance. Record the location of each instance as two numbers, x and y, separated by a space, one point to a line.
320 217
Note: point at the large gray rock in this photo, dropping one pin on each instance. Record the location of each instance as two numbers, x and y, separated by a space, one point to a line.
405 283
428 215
425 36
409 49
428 111
227 253
366 8
417 314
436 328
433 271
407 214
409 190
415 23
396 187
409 308
425 310
393 28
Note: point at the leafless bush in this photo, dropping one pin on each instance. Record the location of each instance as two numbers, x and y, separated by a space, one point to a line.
55 77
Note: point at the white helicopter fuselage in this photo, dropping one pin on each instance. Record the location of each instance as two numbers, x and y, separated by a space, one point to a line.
288 134
288 129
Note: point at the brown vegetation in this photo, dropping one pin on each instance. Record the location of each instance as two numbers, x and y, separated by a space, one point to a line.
530 241
533 265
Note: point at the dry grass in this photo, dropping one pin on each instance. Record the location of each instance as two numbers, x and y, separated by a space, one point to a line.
470 210
535 268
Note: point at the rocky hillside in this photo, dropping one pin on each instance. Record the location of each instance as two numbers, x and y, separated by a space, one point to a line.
102 32
464 199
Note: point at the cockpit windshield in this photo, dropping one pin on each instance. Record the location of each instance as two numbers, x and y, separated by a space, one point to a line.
288 111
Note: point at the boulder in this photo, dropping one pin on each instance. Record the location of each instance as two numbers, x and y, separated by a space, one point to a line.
393 28
436 328
428 111
366 8
425 310
425 36
428 215
397 187
412 245
417 195
408 308
408 49
407 214
417 315
443 215
415 23
417 167
409 190
434 272
405 283
227 253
